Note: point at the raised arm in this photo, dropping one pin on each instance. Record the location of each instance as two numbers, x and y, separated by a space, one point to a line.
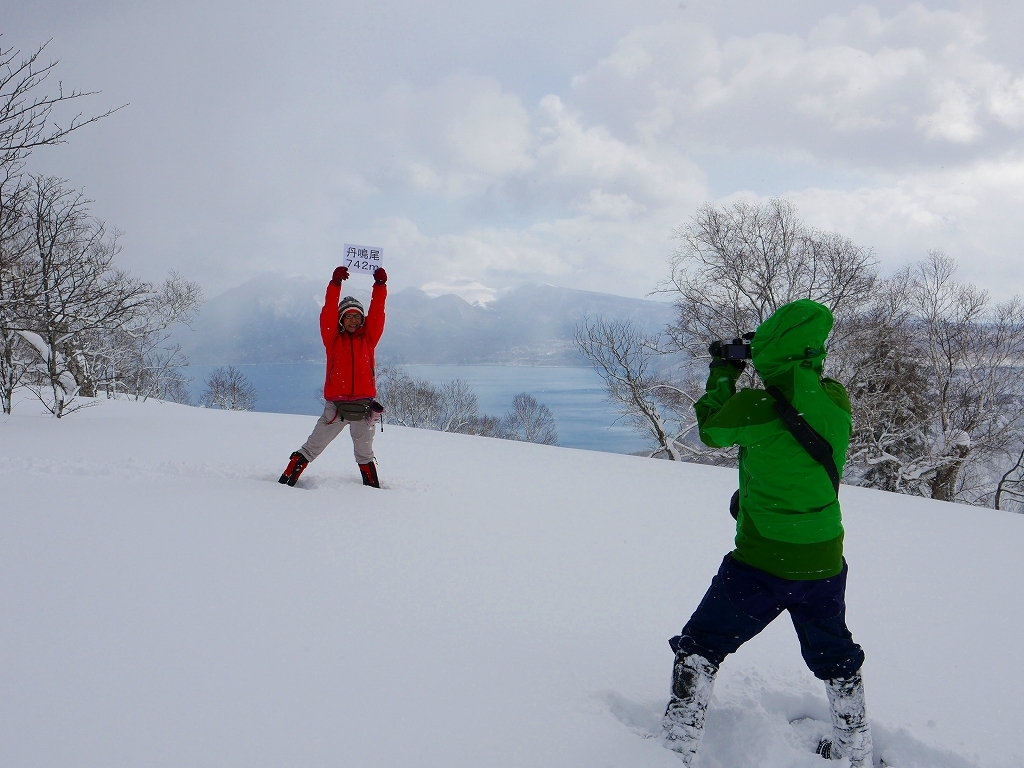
329 314
720 388
374 324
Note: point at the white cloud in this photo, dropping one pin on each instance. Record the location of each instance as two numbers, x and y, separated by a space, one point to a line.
477 158
579 251
970 212
955 117
353 185
608 169
585 186
581 155
596 206
478 252
856 86
457 136
601 205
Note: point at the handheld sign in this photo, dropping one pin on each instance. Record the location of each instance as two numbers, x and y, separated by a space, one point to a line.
363 258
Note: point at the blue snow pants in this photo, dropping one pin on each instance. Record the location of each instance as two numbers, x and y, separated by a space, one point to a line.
743 600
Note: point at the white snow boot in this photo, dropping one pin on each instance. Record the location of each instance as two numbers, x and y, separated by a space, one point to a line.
851 733
693 679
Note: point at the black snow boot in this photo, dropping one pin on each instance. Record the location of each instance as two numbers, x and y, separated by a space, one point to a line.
369 473
296 463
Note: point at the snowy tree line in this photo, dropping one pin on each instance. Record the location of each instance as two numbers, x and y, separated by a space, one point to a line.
932 365
453 407
72 324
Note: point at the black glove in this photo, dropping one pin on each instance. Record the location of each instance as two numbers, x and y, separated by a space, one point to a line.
739 365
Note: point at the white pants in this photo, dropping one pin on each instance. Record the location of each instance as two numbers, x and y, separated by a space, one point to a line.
329 426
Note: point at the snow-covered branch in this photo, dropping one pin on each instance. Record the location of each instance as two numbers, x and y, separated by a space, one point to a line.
71 322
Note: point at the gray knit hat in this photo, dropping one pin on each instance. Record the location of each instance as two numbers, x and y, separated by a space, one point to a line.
348 303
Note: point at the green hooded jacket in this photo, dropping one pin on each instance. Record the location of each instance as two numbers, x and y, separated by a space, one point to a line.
789 520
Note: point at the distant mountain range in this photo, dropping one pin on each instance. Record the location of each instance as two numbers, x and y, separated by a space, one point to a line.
275 319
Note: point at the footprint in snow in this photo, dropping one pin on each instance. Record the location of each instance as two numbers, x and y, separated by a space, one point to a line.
765 733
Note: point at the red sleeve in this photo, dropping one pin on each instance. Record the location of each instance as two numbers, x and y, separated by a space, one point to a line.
329 315
374 325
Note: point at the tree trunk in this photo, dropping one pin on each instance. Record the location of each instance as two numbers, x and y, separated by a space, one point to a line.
86 385
944 485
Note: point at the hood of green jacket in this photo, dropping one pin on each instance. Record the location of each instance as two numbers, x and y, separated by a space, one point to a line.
794 335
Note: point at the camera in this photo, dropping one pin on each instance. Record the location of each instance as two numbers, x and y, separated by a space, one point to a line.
737 349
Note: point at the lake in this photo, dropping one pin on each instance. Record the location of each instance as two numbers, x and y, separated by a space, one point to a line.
574 395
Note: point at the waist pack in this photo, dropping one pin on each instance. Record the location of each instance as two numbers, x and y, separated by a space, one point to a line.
356 410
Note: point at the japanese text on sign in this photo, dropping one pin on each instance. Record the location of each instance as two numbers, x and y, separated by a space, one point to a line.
363 258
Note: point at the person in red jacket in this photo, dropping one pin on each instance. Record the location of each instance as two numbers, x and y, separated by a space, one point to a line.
350 336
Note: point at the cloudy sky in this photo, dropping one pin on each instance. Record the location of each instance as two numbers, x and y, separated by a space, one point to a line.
488 144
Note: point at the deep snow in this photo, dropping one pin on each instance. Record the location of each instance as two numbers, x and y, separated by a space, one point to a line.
165 602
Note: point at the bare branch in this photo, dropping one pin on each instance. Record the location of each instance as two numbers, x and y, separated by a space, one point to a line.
26 111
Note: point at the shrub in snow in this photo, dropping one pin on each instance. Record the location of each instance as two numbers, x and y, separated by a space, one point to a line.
453 407
228 388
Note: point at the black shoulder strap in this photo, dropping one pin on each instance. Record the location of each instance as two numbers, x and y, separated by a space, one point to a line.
817 446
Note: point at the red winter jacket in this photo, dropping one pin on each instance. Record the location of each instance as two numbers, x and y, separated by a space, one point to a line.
350 355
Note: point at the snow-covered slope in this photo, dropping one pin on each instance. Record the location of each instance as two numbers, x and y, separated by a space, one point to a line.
164 602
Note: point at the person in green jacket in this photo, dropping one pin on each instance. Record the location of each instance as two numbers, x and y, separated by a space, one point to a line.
789 533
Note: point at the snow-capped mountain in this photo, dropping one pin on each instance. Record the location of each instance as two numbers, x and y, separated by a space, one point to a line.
274 319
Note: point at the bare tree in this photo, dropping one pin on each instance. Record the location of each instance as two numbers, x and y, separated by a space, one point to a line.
879 362
26 123
175 390
657 405
972 351
484 425
407 401
530 422
26 110
933 371
453 407
15 356
77 296
931 364
736 265
69 320
15 360
624 358
228 388
459 410
1011 484
138 358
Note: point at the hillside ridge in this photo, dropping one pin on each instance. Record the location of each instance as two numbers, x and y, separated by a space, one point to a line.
274 319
